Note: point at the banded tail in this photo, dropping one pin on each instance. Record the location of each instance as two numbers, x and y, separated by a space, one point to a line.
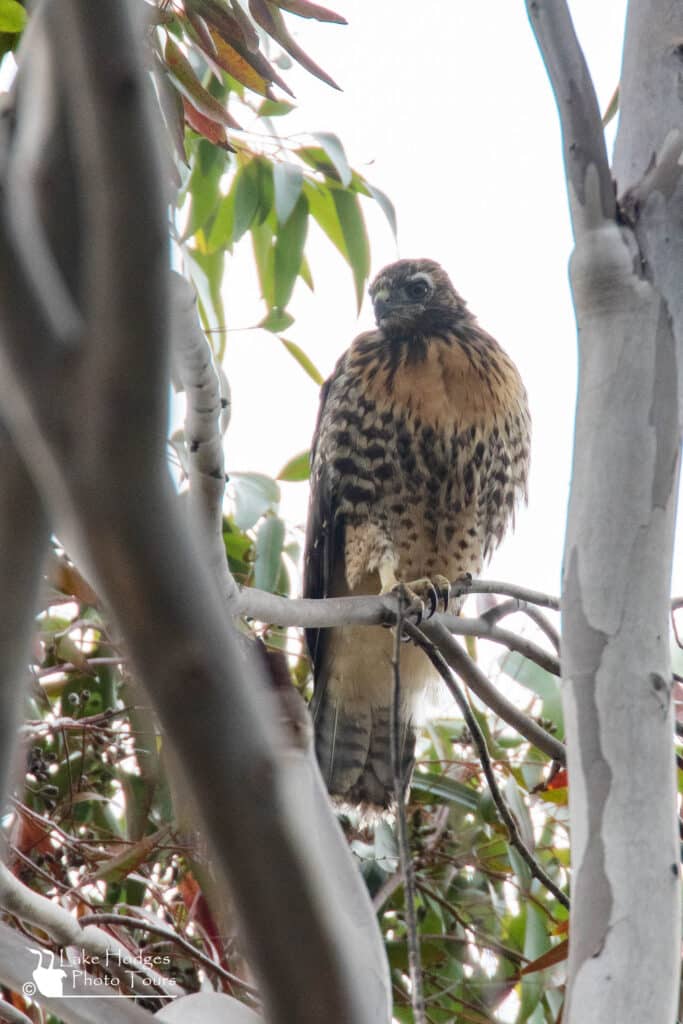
353 747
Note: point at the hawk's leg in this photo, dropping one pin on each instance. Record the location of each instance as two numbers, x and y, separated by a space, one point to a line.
434 592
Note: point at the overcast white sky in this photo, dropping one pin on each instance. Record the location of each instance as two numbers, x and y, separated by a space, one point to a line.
447 108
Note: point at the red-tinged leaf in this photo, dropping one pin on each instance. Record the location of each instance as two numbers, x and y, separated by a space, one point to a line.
304 361
553 956
251 40
242 68
217 14
191 88
269 17
307 10
560 780
115 869
211 130
171 103
202 33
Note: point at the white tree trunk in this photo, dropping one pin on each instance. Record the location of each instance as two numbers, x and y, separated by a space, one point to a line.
625 271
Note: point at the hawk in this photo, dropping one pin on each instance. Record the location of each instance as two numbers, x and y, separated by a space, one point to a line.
419 457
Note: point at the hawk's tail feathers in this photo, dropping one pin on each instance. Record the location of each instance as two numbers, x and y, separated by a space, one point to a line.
353 746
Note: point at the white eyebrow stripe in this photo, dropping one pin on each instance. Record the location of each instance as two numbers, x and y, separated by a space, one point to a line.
421 275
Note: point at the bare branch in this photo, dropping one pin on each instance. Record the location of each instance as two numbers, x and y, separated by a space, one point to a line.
203 434
482 628
17 964
582 132
23 543
64 928
472 724
512 605
368 611
153 928
405 858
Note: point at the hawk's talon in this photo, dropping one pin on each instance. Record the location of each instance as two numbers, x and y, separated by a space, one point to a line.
424 597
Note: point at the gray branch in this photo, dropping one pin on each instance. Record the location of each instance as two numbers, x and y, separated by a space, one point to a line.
111 500
203 432
583 140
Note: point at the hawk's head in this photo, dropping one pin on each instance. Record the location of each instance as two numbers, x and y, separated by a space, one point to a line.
415 297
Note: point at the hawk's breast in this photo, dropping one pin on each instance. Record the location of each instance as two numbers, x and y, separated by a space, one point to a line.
426 456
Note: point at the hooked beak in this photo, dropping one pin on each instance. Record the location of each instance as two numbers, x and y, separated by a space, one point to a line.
381 307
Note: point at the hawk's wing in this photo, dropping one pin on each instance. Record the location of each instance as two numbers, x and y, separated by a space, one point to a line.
324 535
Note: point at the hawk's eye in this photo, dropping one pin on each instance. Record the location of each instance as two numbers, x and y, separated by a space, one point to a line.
417 290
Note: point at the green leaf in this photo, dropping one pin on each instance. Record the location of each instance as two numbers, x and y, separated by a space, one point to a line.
204 185
322 208
182 73
221 233
255 494
264 255
547 686
269 542
335 151
536 942
386 205
207 277
276 320
298 468
247 198
274 108
355 238
303 360
288 180
12 16
289 247
448 790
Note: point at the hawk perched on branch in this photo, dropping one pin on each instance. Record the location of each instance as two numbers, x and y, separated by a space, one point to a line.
420 454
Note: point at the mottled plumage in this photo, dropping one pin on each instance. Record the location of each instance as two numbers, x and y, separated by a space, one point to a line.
419 457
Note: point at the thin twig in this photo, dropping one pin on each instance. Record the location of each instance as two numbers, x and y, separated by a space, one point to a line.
481 627
515 838
512 605
408 870
469 671
167 933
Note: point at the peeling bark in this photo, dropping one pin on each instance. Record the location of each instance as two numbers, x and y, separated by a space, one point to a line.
625 271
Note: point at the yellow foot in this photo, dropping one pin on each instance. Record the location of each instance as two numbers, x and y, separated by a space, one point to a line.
426 596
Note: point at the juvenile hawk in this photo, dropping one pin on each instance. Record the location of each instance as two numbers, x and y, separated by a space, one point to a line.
420 454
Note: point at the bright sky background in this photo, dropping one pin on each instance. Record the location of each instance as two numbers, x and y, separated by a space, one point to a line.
447 108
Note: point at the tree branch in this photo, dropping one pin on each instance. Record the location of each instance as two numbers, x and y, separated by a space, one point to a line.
512 605
172 936
111 498
591 190
203 432
405 857
65 929
23 543
473 676
472 724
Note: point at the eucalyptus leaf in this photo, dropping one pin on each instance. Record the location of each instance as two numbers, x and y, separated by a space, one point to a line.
269 543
